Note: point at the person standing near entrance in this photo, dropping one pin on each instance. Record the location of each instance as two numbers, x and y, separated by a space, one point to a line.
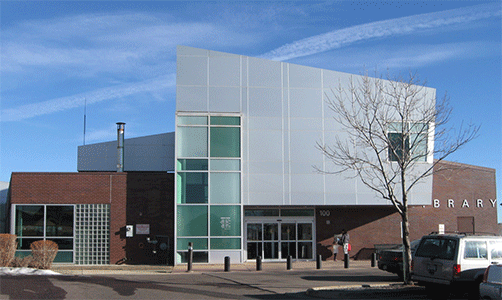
345 241
336 241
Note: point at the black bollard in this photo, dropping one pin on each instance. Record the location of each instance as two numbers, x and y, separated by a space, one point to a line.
258 263
373 259
227 263
190 256
319 262
288 262
346 261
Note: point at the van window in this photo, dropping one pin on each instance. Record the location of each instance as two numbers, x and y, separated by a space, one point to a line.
475 249
437 248
496 247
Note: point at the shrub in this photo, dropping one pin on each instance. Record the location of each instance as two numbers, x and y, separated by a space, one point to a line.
8 246
44 253
23 262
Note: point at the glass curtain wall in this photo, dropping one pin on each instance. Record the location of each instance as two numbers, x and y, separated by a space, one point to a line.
208 185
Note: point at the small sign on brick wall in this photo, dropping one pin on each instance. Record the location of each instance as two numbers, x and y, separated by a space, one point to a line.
142 228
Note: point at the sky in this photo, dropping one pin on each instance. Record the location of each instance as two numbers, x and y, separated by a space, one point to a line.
115 61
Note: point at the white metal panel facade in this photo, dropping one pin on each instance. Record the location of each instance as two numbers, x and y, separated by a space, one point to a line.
284 113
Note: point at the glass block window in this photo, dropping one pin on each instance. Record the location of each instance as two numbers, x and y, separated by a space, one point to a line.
92 234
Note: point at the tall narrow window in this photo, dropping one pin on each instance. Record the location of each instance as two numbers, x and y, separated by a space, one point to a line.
407 141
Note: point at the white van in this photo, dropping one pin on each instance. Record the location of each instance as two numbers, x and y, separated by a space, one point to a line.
458 260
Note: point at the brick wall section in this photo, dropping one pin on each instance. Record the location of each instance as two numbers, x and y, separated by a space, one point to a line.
78 188
369 226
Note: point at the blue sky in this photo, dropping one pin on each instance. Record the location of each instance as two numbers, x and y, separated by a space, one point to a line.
119 57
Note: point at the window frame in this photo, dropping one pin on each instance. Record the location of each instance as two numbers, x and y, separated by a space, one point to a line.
415 138
44 236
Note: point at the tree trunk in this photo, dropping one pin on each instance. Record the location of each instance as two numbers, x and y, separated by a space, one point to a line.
406 244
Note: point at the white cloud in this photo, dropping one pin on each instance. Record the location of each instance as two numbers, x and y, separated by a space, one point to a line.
387 28
60 104
107 42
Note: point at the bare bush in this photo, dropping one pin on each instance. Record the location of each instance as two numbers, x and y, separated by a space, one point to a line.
8 246
44 252
23 262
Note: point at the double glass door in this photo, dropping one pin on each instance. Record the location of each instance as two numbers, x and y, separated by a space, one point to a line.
278 240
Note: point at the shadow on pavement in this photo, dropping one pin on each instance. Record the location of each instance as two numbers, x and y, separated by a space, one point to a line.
30 287
129 287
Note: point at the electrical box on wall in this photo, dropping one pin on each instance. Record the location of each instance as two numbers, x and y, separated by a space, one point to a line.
129 231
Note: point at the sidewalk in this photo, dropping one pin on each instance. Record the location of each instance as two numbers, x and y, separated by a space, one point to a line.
202 268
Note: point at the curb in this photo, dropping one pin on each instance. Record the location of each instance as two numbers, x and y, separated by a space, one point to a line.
377 291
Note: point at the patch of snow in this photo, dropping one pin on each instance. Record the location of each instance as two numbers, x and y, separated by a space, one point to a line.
25 271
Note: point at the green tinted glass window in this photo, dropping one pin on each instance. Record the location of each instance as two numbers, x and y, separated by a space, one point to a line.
225 142
191 141
225 243
192 120
59 221
225 165
192 187
217 120
225 188
198 243
192 164
64 257
192 220
29 220
225 220
261 212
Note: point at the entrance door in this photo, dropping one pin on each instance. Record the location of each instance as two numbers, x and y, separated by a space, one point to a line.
276 240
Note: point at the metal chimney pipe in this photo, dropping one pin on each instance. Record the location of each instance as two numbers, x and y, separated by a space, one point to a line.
120 146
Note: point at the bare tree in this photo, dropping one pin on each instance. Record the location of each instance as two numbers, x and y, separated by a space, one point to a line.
396 135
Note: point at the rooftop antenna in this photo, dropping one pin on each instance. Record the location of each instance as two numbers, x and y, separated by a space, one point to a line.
85 115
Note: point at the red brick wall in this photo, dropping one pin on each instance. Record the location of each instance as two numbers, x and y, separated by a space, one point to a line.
368 226
78 188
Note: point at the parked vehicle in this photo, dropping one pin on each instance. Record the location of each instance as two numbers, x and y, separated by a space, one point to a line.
455 260
391 260
491 287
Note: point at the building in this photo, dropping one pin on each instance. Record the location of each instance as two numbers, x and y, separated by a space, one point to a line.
236 178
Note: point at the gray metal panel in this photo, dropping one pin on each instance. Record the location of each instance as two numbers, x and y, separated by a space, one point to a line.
191 70
306 103
191 98
185 50
148 153
264 73
304 77
224 99
265 145
224 71
265 102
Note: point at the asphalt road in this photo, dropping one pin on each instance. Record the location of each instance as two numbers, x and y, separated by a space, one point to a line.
275 284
